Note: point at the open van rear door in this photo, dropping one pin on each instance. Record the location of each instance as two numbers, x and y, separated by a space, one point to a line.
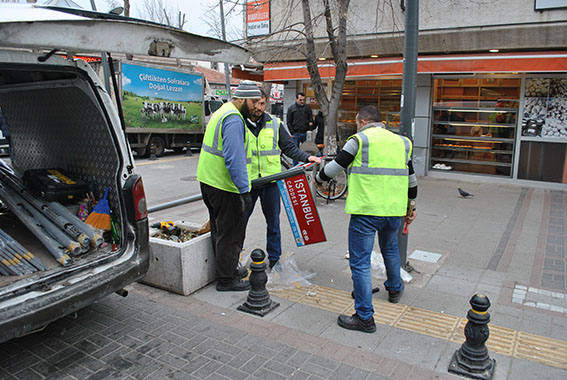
75 30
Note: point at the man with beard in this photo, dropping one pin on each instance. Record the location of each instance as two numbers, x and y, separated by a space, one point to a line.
225 184
268 139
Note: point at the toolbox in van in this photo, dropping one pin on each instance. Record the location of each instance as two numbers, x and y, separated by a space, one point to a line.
54 184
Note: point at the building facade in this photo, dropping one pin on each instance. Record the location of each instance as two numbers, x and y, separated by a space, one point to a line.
491 85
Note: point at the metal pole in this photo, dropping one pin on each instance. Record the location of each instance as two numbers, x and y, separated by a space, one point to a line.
178 202
407 105
226 74
409 79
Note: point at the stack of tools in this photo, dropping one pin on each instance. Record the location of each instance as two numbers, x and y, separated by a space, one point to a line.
169 231
15 260
169 228
63 234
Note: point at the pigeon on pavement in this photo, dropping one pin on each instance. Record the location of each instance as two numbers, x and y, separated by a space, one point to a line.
464 194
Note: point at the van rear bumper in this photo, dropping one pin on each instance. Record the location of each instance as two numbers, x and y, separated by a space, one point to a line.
35 312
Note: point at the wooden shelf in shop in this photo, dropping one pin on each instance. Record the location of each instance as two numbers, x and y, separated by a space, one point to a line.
474 162
473 138
474 123
471 149
474 109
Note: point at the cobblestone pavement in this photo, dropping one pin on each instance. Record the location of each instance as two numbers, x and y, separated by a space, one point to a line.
152 334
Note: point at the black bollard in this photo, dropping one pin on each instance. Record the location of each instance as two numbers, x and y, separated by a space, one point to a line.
188 151
472 360
153 156
258 301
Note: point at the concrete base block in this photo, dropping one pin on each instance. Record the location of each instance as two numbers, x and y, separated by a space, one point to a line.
181 268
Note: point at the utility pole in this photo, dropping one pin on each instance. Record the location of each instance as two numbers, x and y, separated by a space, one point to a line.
226 74
407 112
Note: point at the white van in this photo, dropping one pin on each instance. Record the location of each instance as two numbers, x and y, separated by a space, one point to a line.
61 117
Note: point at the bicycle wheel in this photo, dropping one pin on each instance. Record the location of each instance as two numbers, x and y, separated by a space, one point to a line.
333 189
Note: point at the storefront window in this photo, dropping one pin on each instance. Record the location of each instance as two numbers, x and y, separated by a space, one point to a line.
543 148
383 93
474 125
545 108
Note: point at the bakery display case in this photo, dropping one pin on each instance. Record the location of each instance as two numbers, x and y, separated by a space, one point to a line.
383 93
392 121
469 139
474 124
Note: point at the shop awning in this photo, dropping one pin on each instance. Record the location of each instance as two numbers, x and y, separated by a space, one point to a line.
444 64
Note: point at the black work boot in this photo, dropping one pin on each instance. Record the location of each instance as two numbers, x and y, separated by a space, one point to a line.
235 285
394 297
355 323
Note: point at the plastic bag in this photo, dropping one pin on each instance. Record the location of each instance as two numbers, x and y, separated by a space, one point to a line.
244 259
285 274
379 269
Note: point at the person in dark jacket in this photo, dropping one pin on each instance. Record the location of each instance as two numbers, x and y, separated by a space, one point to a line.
320 136
270 138
299 120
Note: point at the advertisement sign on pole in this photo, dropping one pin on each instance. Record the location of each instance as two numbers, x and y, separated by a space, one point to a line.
301 210
257 17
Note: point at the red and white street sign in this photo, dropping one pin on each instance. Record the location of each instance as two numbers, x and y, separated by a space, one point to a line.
301 210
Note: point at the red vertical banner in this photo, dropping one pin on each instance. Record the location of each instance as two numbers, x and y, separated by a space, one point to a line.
301 210
257 17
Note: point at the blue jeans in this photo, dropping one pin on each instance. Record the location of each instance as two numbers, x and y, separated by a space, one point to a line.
270 202
361 232
298 138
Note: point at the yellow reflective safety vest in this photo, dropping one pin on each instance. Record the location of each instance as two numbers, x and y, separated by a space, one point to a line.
212 168
266 150
378 176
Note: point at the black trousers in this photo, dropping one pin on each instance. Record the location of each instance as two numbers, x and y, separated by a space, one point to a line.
227 217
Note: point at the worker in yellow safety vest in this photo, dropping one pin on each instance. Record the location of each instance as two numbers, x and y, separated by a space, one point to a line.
381 182
225 183
268 139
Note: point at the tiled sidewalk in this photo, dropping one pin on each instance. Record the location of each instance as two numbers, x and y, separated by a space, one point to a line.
152 334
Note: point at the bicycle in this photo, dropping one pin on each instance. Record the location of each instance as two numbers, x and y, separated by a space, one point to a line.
331 190
336 187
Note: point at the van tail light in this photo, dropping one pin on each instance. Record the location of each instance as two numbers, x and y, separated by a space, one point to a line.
139 200
135 198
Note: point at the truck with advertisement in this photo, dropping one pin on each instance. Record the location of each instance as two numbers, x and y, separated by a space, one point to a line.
164 108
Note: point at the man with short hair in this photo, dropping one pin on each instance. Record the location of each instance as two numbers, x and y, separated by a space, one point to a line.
268 138
299 120
381 183
225 184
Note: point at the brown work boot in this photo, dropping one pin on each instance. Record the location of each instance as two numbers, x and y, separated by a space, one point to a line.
355 323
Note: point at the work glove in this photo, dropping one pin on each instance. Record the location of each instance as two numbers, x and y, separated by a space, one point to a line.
246 200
